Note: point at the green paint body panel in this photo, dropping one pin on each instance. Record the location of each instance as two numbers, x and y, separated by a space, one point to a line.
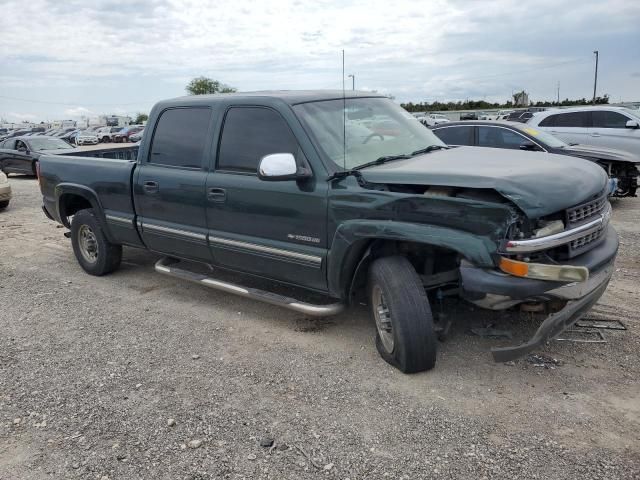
310 233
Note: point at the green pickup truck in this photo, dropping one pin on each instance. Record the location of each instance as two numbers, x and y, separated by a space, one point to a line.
347 198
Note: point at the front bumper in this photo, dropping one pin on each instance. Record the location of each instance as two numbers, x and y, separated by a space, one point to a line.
497 291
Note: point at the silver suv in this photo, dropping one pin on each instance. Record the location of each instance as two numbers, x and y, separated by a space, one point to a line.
612 127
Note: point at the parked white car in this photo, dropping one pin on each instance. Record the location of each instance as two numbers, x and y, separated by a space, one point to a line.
86 138
105 134
503 114
611 127
433 119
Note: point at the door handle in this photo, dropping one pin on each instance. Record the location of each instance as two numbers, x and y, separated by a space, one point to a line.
218 195
150 186
595 134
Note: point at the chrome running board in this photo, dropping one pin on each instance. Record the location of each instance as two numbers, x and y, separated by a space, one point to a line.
167 266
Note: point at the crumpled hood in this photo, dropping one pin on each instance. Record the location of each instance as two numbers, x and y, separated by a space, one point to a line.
601 153
538 183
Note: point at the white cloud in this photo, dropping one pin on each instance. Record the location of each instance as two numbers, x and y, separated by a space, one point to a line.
110 54
78 112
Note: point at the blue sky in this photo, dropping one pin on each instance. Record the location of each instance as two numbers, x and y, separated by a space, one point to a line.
73 58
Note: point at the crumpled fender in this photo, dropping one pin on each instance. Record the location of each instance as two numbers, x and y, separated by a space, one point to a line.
353 237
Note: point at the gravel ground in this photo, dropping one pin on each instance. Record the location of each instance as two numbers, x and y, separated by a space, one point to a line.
137 376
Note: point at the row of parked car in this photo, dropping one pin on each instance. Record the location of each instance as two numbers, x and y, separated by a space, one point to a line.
77 136
609 136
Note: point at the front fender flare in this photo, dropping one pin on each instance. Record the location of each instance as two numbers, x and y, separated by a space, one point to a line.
353 238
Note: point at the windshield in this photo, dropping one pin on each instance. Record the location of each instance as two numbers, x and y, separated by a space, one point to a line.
372 128
545 137
38 144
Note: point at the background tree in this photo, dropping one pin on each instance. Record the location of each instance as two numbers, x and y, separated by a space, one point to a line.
204 86
483 105
141 118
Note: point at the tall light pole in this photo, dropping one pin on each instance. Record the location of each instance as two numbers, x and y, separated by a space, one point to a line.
558 92
353 81
595 79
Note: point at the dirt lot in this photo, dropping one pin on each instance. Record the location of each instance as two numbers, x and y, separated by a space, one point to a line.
121 377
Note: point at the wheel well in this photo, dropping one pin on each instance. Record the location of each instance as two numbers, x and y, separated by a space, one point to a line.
428 260
71 203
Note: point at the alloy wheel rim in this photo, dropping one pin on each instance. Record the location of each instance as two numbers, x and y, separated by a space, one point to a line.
382 316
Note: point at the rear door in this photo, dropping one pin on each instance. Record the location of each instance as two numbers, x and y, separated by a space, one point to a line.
276 229
456 135
572 127
169 188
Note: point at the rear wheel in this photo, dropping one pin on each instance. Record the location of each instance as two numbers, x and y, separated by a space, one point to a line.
405 336
4 204
95 254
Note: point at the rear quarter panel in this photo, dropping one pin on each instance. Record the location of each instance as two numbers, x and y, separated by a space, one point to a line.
106 183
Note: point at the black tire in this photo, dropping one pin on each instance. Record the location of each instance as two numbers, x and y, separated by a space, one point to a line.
4 204
403 296
34 168
107 255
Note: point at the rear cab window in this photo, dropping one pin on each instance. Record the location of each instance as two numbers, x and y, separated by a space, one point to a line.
180 137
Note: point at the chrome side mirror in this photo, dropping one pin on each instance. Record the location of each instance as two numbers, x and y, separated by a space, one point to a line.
280 166
632 124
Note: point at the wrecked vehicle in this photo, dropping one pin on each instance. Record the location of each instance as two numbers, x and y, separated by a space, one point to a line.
343 197
621 167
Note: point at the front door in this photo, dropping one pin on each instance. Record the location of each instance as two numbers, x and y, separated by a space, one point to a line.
275 229
15 159
170 184
610 130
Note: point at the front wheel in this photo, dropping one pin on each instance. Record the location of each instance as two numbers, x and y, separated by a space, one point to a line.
95 254
405 336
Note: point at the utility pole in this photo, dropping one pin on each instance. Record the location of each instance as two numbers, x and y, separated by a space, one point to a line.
595 79
558 92
353 81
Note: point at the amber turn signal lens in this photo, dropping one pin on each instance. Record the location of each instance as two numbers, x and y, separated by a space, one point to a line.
519 269
542 271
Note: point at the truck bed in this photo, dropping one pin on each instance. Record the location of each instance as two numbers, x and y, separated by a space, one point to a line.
104 182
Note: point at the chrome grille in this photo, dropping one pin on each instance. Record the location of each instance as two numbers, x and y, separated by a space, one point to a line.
586 240
585 211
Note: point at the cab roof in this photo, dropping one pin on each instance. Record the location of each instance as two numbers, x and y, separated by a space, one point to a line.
292 97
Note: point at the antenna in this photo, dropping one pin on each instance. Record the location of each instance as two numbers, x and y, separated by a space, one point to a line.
344 120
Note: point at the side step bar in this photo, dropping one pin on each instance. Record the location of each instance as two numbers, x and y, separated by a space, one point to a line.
167 266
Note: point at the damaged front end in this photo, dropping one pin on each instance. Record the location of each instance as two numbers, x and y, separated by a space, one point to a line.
567 259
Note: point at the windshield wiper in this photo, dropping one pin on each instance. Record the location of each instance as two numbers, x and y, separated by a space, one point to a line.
428 149
381 160
384 159
378 161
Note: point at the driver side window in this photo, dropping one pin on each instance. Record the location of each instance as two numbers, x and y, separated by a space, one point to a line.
251 133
